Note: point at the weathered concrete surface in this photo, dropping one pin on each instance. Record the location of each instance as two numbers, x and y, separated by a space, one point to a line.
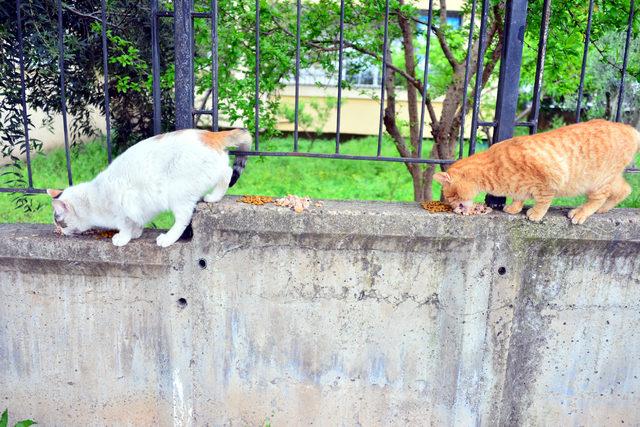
350 314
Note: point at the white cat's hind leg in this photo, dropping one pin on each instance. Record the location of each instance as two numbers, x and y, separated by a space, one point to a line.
137 232
182 216
220 188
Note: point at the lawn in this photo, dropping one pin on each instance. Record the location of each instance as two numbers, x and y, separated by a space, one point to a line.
272 176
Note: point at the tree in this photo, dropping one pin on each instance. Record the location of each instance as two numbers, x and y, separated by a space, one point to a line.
567 28
363 35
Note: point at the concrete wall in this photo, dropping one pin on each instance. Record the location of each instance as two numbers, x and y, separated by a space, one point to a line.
350 314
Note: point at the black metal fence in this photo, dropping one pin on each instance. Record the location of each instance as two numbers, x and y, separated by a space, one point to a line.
183 15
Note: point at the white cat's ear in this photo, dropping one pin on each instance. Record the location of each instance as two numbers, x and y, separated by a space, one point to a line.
54 193
443 177
60 206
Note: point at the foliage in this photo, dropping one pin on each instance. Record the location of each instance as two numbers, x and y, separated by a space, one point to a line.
312 115
567 28
4 421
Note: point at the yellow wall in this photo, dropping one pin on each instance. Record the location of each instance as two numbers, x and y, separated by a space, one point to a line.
361 107
452 5
360 111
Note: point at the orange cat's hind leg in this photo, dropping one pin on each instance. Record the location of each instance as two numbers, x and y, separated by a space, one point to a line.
620 189
595 200
543 201
514 208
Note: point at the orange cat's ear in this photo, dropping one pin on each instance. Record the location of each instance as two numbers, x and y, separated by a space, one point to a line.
443 177
54 193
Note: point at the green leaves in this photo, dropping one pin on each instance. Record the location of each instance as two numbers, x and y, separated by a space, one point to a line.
4 421
567 27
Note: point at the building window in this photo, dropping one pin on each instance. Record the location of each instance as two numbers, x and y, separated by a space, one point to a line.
369 75
454 20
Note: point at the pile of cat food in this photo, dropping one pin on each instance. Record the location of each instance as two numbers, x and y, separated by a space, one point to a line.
105 234
295 203
476 209
255 200
435 206
97 234
100 234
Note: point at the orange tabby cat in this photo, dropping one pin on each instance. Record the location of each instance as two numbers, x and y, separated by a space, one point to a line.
586 158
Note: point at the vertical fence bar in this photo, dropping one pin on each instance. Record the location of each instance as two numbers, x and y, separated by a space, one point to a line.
214 65
340 55
467 63
509 80
183 29
155 68
257 82
105 68
23 95
425 77
542 52
478 85
63 96
624 61
385 42
587 38
297 95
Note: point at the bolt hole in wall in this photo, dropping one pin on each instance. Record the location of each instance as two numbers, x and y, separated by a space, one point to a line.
182 302
502 271
202 263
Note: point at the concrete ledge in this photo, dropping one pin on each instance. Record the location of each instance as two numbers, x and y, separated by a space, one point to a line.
353 313
410 220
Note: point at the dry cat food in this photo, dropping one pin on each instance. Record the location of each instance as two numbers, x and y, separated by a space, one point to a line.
255 200
104 234
97 234
296 203
476 209
435 206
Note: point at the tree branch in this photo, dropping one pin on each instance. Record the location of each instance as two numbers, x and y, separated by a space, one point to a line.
446 49
443 12
390 121
77 12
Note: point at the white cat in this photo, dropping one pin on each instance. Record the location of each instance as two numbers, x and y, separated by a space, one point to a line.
170 171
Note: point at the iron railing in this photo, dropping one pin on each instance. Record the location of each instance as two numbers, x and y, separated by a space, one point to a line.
183 16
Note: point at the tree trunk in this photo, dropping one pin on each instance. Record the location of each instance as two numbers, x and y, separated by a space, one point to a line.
406 26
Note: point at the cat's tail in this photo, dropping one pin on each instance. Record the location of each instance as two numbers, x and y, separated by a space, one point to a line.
240 138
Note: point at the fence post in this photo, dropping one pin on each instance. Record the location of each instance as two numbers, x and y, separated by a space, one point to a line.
183 39
508 84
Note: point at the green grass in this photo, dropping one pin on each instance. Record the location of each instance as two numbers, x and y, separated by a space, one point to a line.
270 176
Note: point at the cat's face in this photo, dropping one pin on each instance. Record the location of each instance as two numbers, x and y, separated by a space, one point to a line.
458 193
65 213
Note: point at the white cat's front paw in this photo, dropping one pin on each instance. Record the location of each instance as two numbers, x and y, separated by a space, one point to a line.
165 240
214 197
120 239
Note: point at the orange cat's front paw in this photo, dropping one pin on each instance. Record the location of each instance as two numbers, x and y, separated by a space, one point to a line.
513 208
578 216
535 216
